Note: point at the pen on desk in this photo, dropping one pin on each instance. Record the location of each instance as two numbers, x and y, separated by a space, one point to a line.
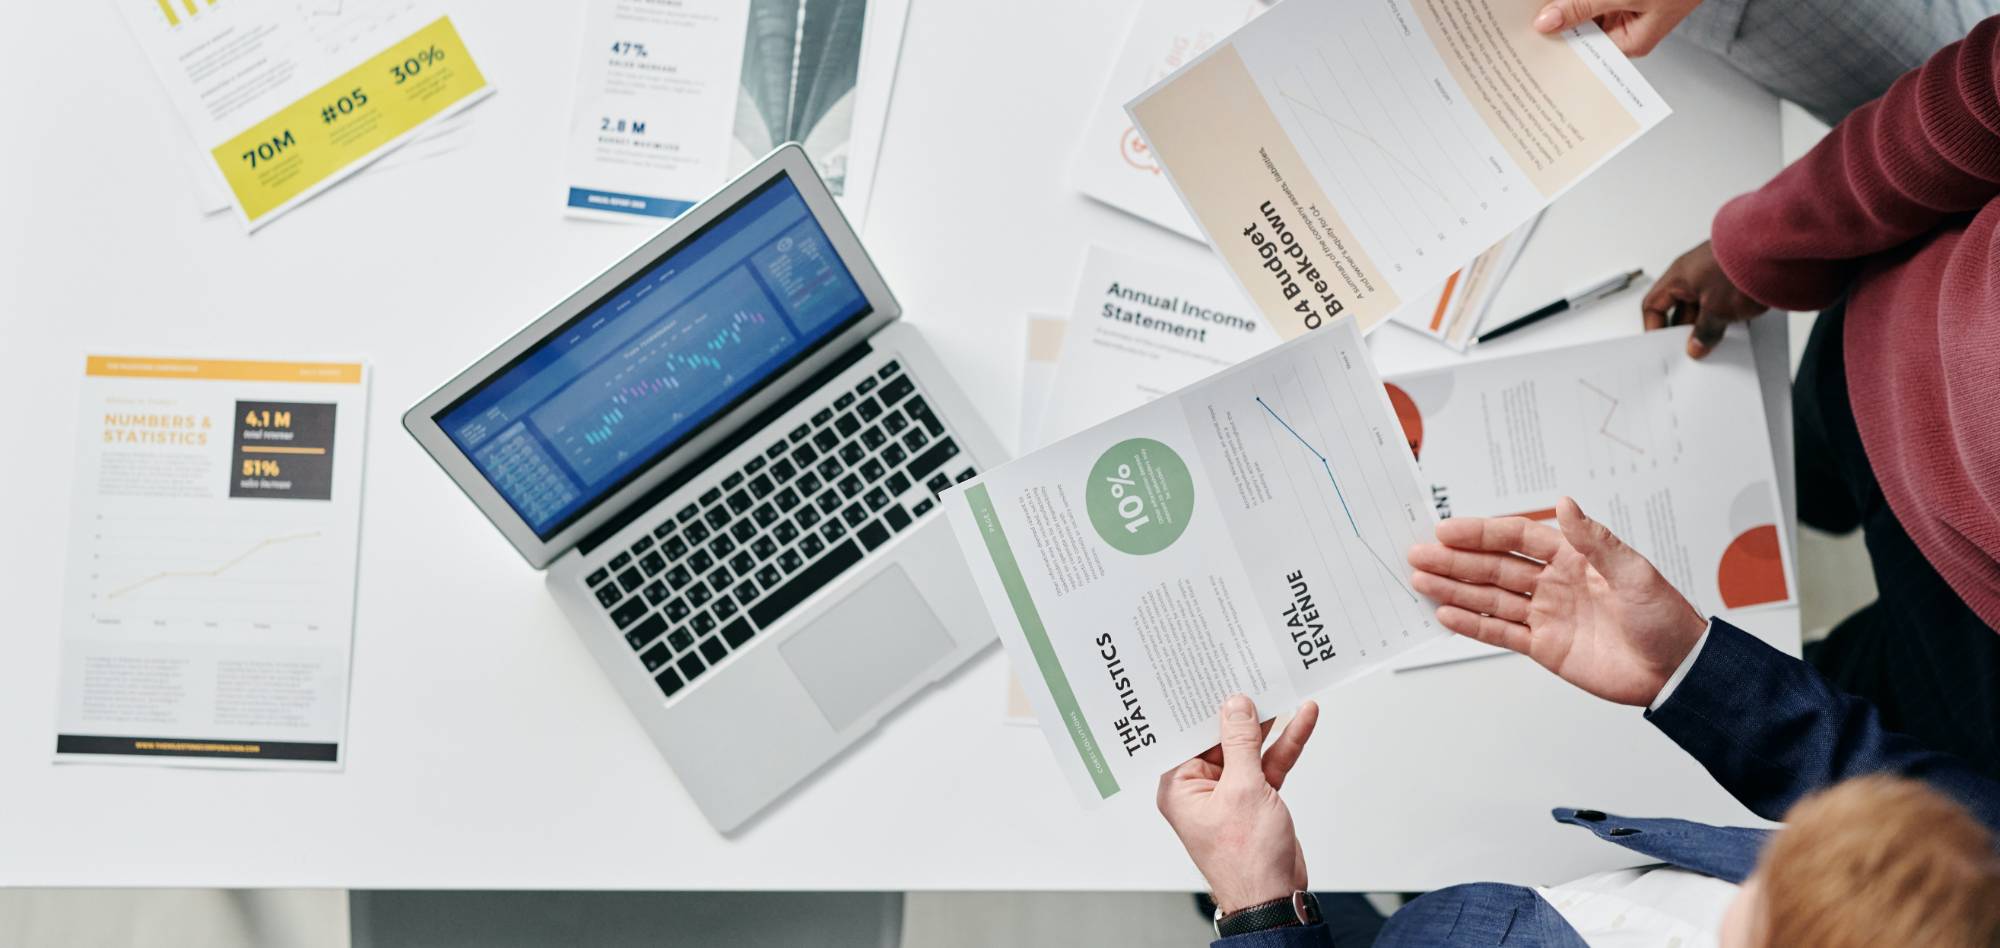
1578 300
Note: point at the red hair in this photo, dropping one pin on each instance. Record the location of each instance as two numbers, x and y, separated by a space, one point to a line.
1880 861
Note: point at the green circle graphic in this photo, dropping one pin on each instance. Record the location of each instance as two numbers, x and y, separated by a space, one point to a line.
1140 496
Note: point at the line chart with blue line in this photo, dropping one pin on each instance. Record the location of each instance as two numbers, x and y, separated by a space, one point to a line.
1327 466
1324 499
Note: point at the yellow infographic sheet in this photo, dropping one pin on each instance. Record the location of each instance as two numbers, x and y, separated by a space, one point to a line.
208 607
1344 158
285 99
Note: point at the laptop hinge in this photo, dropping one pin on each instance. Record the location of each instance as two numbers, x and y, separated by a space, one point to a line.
644 504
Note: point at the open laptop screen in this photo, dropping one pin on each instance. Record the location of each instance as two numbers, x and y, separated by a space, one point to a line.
573 418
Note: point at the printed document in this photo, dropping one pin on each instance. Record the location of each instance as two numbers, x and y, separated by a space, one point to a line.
1139 330
1038 375
1670 453
1113 163
655 103
675 97
283 100
437 139
1345 158
208 611
1244 534
1467 297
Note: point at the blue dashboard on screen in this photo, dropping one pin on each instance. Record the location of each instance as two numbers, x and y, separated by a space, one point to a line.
577 415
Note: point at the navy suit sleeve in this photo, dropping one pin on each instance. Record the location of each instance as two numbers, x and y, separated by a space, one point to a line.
1771 731
1297 936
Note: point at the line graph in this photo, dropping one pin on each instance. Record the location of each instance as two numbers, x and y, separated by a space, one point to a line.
1381 200
1400 161
1464 144
1375 138
1411 173
1612 404
212 572
243 568
1302 446
1327 466
1625 422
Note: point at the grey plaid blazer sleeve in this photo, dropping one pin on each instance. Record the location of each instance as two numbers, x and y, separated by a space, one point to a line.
1830 55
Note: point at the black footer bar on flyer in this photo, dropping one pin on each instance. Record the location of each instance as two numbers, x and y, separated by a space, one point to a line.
185 747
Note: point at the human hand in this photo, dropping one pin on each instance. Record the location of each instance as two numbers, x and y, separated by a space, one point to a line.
1695 289
1636 26
1578 601
1224 805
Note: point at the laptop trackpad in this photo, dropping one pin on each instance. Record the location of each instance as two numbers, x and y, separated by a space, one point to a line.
874 642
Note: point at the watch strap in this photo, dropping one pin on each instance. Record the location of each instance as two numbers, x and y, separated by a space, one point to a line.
1299 908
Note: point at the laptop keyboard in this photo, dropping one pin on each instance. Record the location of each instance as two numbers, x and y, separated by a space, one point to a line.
792 519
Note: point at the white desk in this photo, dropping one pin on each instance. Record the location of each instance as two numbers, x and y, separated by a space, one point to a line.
485 750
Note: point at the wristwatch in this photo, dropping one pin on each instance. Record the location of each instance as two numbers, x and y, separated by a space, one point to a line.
1300 908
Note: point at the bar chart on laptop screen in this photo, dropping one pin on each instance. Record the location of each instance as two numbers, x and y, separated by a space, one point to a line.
665 378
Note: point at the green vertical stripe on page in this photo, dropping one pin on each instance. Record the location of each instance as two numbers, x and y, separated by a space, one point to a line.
1038 639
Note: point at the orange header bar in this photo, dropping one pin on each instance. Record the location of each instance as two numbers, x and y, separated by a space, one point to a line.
235 370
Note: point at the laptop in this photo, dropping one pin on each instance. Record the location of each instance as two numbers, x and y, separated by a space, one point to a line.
726 453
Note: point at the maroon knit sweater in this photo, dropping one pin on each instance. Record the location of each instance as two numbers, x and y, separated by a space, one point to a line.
1897 208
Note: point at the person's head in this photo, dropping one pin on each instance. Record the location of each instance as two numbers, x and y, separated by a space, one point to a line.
1872 861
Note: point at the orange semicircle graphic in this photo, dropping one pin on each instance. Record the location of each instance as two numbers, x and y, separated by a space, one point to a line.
1407 414
1752 571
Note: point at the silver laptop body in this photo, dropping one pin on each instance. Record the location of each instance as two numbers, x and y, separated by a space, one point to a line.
726 452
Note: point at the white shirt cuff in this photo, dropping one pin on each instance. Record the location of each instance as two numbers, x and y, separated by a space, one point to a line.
1681 672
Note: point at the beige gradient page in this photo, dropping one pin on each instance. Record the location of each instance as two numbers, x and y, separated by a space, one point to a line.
1264 212
1536 93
